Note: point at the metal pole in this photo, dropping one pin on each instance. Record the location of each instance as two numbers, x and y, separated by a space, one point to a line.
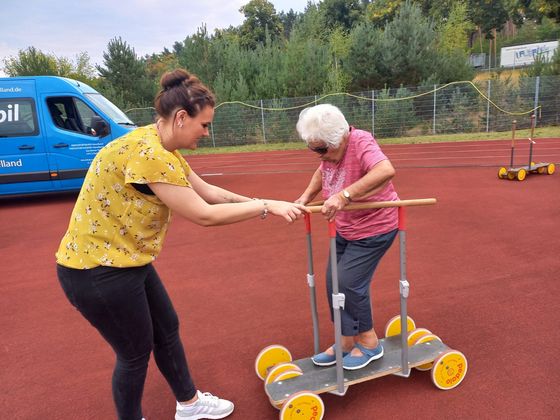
311 283
373 113
435 101
262 118
213 139
531 141
513 124
404 288
537 87
488 107
338 305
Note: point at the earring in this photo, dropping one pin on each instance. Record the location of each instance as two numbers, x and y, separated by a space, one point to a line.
180 125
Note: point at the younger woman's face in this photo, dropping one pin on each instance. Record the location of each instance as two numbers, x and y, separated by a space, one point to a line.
195 127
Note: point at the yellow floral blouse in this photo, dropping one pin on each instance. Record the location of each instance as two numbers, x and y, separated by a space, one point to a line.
112 223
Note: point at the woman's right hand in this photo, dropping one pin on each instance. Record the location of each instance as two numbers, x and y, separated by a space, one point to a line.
289 211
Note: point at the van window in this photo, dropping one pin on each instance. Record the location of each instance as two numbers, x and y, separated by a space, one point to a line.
70 113
18 117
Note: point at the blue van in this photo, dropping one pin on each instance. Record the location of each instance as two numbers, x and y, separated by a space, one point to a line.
50 130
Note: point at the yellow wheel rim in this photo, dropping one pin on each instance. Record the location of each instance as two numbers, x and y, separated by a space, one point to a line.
415 334
550 168
288 375
449 369
425 339
541 170
502 172
278 370
303 405
511 175
269 357
521 174
393 327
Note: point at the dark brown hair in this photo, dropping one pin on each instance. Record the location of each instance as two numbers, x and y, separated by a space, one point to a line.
182 90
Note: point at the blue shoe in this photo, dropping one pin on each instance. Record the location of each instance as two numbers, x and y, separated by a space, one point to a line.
324 359
368 355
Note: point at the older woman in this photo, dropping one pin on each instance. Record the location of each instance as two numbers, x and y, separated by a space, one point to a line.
353 168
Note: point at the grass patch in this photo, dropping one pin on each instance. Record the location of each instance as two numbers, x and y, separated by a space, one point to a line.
540 132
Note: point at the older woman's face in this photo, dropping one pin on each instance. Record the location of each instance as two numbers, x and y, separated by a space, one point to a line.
325 152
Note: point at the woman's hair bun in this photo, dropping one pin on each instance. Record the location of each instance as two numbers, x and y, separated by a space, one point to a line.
175 78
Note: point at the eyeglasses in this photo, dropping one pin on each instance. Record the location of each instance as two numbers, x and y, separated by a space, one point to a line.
320 150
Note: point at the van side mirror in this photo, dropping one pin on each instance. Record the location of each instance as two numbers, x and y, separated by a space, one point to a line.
99 126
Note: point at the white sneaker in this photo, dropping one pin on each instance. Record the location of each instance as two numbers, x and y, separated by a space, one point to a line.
206 407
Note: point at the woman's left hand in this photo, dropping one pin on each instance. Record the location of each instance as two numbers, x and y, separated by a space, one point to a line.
335 203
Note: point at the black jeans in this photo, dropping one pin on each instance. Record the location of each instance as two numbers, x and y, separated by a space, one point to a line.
132 310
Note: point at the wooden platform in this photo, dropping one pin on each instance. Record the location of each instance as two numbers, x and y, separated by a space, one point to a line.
323 379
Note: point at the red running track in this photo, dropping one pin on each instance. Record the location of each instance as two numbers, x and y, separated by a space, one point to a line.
483 266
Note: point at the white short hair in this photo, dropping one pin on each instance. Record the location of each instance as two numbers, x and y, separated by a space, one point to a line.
323 122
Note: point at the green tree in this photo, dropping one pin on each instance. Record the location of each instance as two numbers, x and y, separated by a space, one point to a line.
306 66
288 20
409 47
125 76
454 31
488 15
365 66
548 8
33 62
260 19
339 45
381 12
343 14
438 10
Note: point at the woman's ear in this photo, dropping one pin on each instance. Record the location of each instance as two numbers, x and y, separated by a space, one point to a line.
180 117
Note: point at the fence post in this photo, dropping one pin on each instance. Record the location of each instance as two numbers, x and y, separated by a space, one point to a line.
262 118
213 139
434 118
373 113
488 106
537 87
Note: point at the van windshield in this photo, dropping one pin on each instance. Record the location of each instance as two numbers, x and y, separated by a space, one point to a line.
109 108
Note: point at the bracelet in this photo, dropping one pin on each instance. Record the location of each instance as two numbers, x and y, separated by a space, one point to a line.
265 210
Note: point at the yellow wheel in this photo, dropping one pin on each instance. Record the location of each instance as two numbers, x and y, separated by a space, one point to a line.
415 334
425 339
449 369
279 369
521 174
303 405
269 357
550 168
393 327
541 169
502 173
511 175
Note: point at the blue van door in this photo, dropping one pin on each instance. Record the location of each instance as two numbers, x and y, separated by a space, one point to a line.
24 165
70 140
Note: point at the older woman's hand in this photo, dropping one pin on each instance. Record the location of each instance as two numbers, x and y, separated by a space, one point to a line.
335 203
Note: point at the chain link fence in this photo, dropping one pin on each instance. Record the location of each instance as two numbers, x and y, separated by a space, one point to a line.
458 107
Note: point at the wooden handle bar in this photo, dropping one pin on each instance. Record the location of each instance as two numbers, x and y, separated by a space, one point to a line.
380 204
